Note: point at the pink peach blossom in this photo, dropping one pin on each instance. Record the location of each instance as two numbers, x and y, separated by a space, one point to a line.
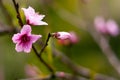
32 17
25 39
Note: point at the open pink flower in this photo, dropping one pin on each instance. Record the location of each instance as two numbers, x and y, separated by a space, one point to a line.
62 35
33 18
24 39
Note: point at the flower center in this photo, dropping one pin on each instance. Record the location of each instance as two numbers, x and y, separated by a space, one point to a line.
28 22
25 38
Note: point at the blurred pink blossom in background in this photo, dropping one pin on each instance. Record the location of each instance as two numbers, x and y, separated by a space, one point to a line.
31 71
112 27
106 27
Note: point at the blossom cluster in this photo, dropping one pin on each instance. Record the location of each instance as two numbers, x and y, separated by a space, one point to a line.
24 39
106 27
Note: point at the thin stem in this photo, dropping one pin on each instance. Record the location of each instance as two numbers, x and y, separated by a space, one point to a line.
45 45
40 54
40 58
16 5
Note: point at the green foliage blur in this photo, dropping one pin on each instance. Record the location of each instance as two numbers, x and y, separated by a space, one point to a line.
85 53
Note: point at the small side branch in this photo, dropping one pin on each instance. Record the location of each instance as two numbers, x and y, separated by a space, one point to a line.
45 45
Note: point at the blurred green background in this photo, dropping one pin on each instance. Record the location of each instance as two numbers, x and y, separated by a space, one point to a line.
85 53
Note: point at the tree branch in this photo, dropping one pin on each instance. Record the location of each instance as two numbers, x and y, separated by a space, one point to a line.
84 72
40 58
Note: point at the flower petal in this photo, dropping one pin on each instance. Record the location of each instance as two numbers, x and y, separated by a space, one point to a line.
34 38
39 23
40 17
28 12
16 37
19 47
26 29
27 47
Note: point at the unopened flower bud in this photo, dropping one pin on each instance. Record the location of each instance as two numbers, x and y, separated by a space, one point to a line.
62 35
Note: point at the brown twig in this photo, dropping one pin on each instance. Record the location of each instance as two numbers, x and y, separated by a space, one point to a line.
45 45
43 48
16 5
84 72
40 58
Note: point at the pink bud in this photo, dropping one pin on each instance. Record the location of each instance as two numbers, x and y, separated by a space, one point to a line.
72 40
62 35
